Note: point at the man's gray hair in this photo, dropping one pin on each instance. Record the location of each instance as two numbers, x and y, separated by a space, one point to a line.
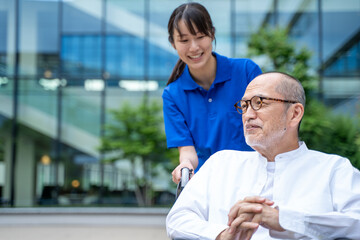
291 88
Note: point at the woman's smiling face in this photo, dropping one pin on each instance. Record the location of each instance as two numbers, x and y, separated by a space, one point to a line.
194 50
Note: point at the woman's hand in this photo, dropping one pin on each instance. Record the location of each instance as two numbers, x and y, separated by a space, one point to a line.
188 158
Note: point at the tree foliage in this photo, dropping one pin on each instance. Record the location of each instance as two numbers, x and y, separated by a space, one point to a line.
281 55
321 129
136 134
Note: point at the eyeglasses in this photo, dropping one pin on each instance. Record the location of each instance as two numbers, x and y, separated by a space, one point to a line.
256 103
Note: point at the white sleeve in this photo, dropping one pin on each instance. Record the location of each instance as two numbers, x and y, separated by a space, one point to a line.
188 218
343 221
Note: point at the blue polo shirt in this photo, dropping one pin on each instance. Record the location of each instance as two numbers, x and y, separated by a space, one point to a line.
205 119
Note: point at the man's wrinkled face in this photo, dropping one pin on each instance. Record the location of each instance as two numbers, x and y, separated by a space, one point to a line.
266 126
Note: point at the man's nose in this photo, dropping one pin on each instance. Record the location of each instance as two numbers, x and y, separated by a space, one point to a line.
249 114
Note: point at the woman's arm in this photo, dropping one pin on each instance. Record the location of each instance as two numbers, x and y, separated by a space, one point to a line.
187 158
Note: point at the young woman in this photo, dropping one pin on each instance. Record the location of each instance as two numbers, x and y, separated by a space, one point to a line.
199 113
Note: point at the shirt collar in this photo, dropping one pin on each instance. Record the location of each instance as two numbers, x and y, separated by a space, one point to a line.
292 154
288 155
223 73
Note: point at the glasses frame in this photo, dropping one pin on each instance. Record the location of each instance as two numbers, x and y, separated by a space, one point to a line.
248 102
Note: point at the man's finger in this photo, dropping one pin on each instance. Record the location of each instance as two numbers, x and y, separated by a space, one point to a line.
243 208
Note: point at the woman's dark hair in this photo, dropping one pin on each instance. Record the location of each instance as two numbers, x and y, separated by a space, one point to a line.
194 15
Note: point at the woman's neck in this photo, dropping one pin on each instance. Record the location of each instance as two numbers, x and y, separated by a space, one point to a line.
206 75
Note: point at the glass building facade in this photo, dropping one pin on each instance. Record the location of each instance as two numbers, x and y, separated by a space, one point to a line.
65 63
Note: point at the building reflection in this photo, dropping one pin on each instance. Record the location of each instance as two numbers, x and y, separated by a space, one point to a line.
65 64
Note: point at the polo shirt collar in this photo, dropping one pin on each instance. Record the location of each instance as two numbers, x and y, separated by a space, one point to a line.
223 69
187 82
223 73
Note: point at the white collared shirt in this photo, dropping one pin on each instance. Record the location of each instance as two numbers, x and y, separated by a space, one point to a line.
318 195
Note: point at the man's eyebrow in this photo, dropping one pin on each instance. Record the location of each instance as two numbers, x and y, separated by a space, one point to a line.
257 95
244 98
247 99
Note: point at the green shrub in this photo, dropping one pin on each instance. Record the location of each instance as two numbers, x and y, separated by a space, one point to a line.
336 134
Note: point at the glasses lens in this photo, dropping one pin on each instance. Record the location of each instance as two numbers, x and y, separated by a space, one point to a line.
256 102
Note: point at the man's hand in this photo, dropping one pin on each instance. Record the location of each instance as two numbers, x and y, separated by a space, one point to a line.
243 234
248 205
246 216
269 218
228 234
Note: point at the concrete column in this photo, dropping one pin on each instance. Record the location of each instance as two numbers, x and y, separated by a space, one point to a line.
25 173
7 161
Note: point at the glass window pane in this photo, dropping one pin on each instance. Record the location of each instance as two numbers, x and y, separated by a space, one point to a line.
161 53
305 29
7 37
222 23
341 21
38 38
81 110
82 16
37 117
125 16
125 25
159 56
81 56
249 17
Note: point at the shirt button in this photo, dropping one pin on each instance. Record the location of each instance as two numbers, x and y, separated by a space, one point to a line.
210 100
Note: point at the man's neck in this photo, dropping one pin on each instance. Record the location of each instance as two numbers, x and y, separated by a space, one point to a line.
270 153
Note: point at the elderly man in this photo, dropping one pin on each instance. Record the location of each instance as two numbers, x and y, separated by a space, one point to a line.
281 191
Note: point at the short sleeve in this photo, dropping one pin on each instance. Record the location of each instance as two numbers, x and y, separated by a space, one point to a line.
177 132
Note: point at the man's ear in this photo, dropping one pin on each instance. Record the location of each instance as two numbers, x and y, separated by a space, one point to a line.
173 45
297 113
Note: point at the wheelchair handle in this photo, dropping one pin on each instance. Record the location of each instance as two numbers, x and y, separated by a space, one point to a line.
185 177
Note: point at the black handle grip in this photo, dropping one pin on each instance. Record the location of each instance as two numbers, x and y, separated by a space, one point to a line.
185 177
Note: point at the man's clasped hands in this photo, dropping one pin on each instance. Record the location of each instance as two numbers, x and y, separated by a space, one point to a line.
247 215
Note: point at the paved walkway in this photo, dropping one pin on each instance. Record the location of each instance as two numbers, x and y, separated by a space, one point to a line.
81 233
82 224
